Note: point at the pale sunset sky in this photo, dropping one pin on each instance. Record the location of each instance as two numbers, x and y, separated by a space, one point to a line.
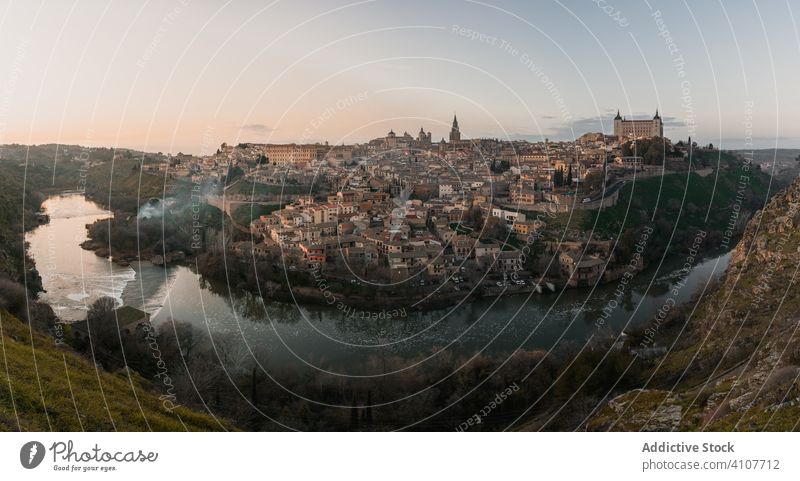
180 75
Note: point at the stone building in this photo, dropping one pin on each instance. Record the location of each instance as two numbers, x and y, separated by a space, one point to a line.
638 129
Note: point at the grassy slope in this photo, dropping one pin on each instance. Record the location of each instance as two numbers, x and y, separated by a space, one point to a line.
245 213
249 188
654 198
77 396
665 194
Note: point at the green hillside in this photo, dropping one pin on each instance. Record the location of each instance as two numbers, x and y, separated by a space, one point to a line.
44 387
122 185
695 201
676 206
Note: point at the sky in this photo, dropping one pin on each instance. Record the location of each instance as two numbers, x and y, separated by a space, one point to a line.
182 75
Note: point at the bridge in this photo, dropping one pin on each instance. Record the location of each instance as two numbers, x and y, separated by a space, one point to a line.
228 205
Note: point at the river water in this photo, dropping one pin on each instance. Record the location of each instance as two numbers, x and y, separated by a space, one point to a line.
291 335
72 277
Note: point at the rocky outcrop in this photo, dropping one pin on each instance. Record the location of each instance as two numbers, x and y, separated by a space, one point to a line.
736 366
169 258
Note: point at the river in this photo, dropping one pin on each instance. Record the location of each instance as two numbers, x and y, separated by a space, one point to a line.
291 335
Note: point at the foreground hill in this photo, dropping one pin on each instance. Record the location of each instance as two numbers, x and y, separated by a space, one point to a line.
735 361
44 387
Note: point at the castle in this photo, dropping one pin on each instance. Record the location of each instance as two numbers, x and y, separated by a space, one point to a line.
637 129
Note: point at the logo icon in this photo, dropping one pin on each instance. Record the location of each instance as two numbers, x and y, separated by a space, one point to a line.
31 454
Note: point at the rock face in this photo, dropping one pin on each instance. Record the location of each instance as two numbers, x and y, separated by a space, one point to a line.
736 366
665 417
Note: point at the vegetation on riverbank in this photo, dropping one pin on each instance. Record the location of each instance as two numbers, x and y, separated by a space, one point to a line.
179 228
121 186
154 214
26 176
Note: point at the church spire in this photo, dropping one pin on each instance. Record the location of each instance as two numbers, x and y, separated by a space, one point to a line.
455 132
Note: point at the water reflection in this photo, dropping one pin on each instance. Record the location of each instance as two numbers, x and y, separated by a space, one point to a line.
72 277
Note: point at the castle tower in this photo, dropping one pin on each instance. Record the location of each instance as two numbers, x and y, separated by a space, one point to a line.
658 125
618 125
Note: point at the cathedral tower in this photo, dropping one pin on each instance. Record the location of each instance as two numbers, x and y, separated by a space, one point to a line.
455 133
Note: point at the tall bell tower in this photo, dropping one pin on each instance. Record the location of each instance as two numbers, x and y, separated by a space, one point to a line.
455 133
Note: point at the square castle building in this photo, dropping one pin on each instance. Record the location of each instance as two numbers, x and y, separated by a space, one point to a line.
638 129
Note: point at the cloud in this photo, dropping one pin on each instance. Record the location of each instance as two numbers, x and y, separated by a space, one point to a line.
581 126
258 128
528 137
556 129
672 122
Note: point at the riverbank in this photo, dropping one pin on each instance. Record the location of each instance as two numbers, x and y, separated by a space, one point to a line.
357 296
299 287
126 258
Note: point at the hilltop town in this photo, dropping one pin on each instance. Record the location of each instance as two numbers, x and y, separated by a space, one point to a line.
462 215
